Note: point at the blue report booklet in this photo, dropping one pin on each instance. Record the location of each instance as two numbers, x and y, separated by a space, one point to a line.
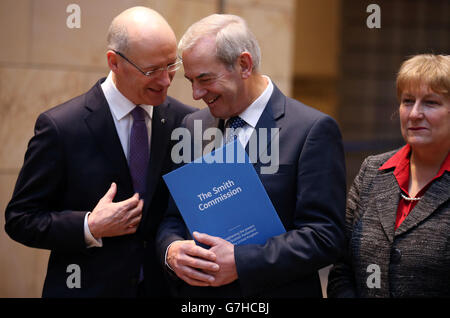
220 194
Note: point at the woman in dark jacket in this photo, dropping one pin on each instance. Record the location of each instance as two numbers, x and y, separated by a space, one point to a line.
398 208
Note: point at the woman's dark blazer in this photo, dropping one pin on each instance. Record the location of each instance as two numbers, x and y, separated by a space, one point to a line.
414 260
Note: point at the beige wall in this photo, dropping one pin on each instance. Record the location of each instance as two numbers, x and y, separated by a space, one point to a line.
317 48
317 36
43 63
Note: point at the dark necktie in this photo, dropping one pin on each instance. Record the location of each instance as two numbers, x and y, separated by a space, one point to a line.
139 151
235 123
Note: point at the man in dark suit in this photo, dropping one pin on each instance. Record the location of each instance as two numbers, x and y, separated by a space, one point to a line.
221 60
90 189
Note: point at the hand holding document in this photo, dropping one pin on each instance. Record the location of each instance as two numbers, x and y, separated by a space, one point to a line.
221 195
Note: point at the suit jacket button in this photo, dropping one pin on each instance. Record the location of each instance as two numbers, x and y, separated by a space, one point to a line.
396 256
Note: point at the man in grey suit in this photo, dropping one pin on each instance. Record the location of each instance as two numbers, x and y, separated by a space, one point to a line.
221 60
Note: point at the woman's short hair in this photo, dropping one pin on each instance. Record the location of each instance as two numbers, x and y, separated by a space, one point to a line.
232 35
425 69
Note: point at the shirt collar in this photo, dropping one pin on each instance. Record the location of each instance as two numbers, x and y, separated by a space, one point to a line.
401 157
400 161
252 113
120 105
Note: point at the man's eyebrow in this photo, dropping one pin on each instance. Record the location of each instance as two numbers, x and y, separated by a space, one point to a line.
203 75
200 76
157 66
148 66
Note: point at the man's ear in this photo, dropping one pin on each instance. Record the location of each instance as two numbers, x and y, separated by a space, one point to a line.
112 60
246 64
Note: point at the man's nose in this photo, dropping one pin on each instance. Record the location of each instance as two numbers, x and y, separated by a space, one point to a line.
198 92
164 78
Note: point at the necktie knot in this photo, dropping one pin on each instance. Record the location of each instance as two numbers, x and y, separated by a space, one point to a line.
236 122
138 113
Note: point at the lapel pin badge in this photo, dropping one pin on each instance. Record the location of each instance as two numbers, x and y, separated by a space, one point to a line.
163 120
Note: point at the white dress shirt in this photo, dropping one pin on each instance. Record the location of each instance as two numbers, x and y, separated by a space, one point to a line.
252 113
121 108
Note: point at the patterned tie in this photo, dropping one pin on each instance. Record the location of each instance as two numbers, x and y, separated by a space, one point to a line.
235 123
139 151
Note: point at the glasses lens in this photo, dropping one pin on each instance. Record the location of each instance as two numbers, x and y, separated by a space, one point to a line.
170 68
174 66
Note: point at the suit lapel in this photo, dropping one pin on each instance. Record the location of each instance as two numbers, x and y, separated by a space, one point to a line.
437 194
388 191
162 125
272 112
214 123
101 125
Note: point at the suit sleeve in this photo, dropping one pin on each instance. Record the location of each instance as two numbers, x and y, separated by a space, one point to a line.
316 238
32 216
341 280
172 227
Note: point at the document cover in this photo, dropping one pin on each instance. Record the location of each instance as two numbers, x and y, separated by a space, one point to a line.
220 194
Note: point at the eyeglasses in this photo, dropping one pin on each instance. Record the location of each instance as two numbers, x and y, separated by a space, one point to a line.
169 68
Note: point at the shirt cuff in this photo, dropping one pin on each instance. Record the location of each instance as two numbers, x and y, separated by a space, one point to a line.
90 240
165 257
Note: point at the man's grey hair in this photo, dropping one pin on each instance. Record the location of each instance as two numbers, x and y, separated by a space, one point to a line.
232 34
117 38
